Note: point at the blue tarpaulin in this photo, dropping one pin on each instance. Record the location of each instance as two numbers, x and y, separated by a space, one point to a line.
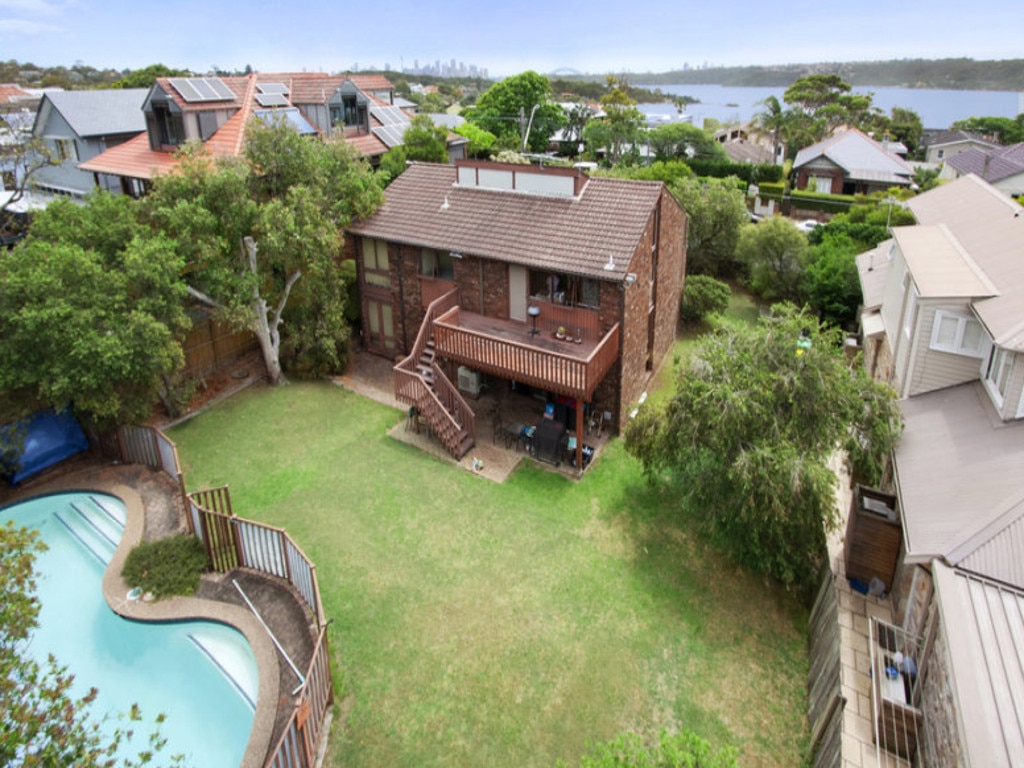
49 437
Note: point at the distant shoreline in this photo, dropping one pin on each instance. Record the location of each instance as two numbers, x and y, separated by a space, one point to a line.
940 74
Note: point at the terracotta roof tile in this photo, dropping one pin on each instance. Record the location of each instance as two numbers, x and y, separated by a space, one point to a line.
12 94
577 235
133 159
371 82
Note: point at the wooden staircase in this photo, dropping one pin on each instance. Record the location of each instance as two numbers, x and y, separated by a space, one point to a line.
421 384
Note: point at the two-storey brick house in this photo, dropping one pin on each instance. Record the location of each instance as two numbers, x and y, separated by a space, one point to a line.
543 277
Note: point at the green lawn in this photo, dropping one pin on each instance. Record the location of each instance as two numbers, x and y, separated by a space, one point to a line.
478 624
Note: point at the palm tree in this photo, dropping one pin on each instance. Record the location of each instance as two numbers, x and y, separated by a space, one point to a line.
772 121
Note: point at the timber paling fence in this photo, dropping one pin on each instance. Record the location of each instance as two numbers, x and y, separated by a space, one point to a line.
233 542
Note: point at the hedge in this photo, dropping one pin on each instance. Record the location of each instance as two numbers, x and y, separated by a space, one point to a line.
720 169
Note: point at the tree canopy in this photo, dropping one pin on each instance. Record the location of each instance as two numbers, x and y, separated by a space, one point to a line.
505 109
425 142
91 313
252 228
44 724
684 141
774 254
621 130
746 439
715 210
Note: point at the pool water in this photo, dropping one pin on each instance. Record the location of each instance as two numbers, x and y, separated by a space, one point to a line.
202 675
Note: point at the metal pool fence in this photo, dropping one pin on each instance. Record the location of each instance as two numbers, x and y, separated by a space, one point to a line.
233 542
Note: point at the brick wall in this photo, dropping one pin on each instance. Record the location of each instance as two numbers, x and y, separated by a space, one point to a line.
939 743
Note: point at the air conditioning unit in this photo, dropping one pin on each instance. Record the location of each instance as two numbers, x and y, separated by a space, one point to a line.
469 380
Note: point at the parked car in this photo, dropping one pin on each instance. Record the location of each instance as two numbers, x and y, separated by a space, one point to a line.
807 225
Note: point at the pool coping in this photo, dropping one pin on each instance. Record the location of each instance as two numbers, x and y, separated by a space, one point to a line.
115 592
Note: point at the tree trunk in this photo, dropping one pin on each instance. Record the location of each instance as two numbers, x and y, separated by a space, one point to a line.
267 323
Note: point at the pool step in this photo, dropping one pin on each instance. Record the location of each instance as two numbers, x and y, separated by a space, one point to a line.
231 654
93 526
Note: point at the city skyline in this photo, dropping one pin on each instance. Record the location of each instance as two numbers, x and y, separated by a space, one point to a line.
588 37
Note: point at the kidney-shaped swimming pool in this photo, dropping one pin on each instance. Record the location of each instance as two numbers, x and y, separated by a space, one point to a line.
202 675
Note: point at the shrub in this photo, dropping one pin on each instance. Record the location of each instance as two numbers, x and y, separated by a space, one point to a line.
166 567
703 296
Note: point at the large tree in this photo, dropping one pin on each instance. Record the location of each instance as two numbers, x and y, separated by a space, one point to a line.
715 212
621 130
774 254
772 121
747 437
44 724
519 110
684 141
251 228
825 102
91 313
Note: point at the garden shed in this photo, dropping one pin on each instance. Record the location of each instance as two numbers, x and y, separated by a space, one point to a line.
873 537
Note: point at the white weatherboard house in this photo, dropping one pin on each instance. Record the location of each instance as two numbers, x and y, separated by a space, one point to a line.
943 322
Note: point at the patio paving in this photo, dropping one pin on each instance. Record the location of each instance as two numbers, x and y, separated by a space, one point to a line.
371 376
855 610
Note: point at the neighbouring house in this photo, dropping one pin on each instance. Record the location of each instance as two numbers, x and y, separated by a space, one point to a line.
79 125
1002 167
215 111
943 145
743 144
849 163
943 321
477 269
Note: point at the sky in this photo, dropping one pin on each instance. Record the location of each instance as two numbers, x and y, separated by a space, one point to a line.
592 36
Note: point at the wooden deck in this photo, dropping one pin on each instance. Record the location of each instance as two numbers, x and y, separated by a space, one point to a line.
508 349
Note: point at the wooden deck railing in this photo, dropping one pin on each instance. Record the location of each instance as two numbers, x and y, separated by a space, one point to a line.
555 372
444 409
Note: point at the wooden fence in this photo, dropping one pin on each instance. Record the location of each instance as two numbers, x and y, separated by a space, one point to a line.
211 343
824 679
231 542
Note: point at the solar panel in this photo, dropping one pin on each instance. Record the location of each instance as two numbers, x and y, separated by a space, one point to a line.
271 100
392 135
390 115
272 88
198 89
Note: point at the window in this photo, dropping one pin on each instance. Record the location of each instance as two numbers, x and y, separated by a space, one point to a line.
168 126
957 334
560 288
351 110
821 184
375 263
437 264
66 150
997 375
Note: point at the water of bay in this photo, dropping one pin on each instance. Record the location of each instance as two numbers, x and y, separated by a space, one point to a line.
937 108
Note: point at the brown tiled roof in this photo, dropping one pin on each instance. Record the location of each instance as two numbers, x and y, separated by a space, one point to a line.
305 87
577 235
371 82
368 145
133 159
10 93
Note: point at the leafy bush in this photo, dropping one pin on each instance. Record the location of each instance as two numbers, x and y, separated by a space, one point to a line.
819 201
765 172
680 750
166 567
703 296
